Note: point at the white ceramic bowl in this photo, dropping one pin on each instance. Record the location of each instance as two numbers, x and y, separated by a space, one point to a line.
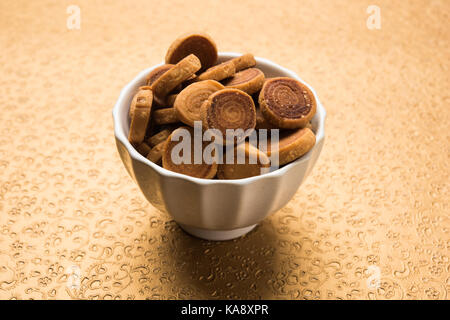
215 209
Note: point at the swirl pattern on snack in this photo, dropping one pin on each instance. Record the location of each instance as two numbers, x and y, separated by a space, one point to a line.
287 102
229 109
189 101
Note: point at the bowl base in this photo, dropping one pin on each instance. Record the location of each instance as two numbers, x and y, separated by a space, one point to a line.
216 235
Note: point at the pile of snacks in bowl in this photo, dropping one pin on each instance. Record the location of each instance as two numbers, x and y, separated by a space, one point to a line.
219 121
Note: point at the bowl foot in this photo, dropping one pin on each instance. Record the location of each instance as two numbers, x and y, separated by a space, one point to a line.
216 235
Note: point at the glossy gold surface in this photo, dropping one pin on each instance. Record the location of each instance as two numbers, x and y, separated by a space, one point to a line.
74 225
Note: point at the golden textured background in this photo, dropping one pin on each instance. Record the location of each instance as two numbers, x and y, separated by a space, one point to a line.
377 196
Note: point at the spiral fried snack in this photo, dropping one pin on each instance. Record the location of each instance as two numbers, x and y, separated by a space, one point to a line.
287 103
189 101
174 162
155 153
156 73
142 102
243 62
165 116
229 109
219 72
153 76
249 80
256 163
292 145
200 45
134 101
133 106
182 71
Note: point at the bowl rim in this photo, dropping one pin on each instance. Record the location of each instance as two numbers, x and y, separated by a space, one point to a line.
120 135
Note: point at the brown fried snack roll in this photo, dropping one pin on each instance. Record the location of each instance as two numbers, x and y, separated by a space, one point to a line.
133 106
189 101
249 80
155 153
153 76
260 163
243 62
287 103
165 116
202 170
156 73
229 109
143 149
219 72
199 44
141 115
293 144
133 102
158 137
182 71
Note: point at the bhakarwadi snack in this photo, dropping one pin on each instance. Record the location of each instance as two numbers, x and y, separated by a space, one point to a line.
165 116
132 106
155 154
187 89
134 101
293 144
189 101
156 73
153 76
170 162
243 62
175 76
287 103
229 109
219 72
140 116
201 45
255 163
248 80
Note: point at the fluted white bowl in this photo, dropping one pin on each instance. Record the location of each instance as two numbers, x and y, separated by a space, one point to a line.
215 209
